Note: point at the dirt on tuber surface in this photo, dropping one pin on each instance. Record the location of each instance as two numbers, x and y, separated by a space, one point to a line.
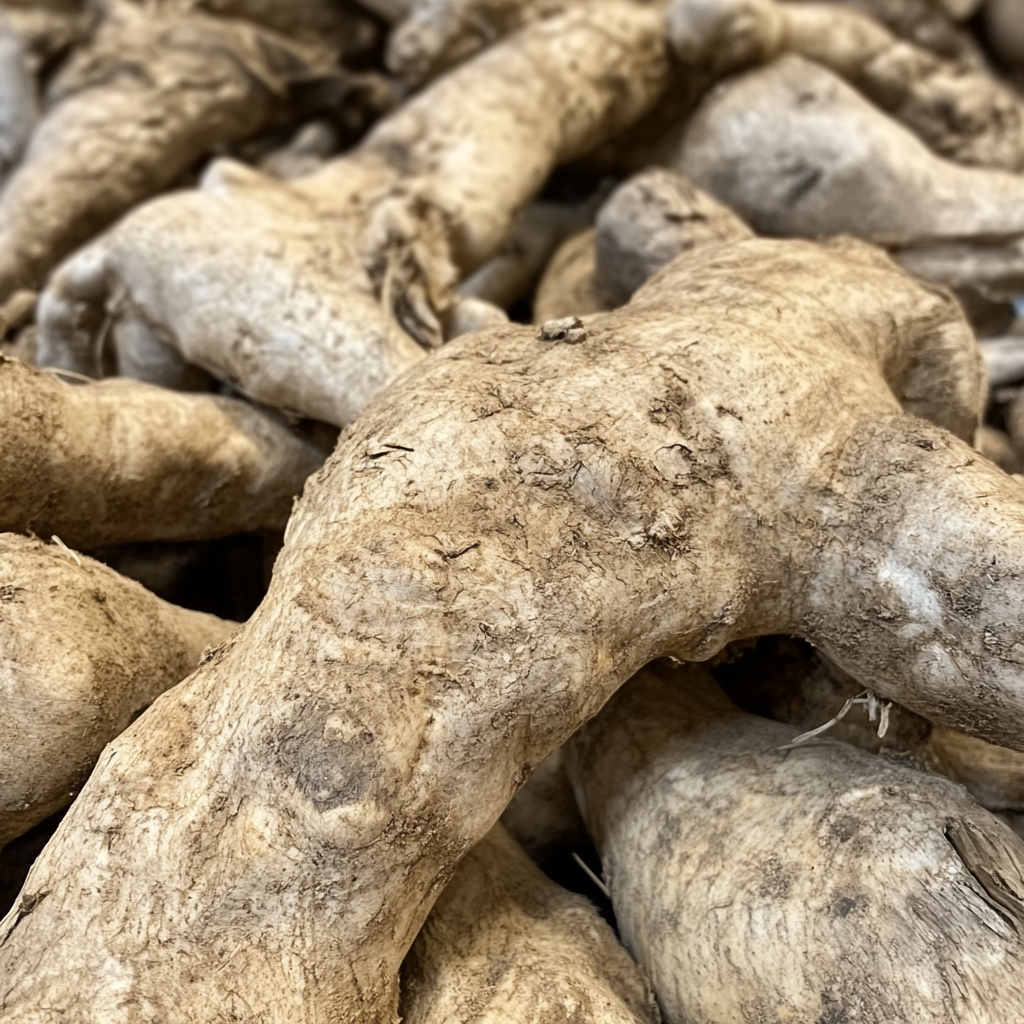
504 537
67 691
794 150
720 848
118 460
128 115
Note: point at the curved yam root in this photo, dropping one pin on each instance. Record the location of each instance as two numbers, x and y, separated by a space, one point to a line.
320 322
829 851
504 943
118 461
508 534
828 162
645 223
69 689
962 113
113 137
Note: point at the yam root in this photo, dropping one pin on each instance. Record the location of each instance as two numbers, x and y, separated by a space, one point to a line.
926 23
642 226
84 652
505 943
117 461
828 162
788 681
127 117
543 817
800 855
320 322
508 534
963 113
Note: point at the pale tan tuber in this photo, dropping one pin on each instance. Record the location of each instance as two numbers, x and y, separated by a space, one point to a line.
644 224
319 322
501 540
85 651
504 944
813 884
128 116
962 112
117 461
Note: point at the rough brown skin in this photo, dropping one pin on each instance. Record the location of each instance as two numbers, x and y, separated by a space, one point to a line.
117 461
508 534
84 652
128 115
823 884
643 225
828 162
963 113
321 322
504 944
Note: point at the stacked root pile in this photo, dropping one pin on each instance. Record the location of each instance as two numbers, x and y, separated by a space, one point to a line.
510 511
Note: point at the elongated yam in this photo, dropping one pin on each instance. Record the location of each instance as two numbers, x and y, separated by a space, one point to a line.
824 883
320 322
117 461
505 944
84 652
962 112
112 137
501 540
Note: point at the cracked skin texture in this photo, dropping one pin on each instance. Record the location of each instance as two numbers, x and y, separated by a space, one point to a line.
498 543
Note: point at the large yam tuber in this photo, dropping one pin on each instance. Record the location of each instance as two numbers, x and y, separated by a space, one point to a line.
127 117
506 535
963 113
84 652
794 150
116 461
823 883
17 100
319 322
504 945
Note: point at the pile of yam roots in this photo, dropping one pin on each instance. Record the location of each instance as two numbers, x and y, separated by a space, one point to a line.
510 511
